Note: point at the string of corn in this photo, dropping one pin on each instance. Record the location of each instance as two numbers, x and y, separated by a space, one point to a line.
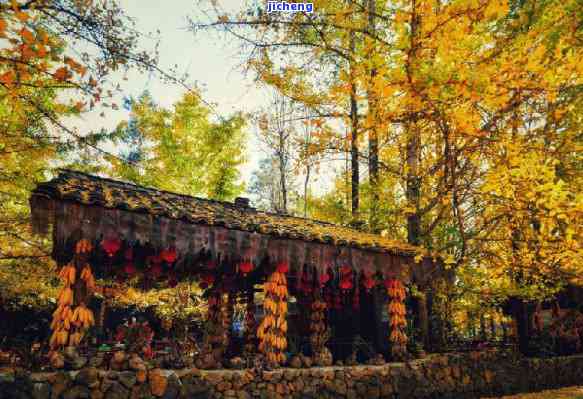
273 328
397 321
70 325
319 334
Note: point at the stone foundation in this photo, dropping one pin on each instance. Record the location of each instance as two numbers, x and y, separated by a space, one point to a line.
470 375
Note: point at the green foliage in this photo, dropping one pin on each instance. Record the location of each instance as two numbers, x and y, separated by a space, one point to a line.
181 149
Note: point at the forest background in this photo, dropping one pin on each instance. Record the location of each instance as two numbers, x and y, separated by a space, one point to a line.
453 125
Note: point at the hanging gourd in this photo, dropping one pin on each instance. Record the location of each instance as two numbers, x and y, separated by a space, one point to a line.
111 246
245 268
272 331
397 321
324 278
168 255
83 246
368 282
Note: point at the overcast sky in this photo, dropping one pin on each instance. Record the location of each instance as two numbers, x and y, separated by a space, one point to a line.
213 63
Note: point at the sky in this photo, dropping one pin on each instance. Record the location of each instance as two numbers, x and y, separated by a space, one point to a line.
214 65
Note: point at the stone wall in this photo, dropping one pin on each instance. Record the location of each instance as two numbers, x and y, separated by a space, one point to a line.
470 375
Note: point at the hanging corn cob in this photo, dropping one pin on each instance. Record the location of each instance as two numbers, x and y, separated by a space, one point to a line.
319 333
61 324
396 311
70 323
273 328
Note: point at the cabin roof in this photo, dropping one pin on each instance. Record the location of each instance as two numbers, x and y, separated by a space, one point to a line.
91 190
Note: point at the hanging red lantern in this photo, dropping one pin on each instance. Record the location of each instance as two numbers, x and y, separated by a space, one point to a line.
324 278
245 267
345 270
168 255
129 269
346 284
368 283
111 246
282 267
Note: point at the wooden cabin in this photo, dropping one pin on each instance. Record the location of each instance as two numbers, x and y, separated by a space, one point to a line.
160 237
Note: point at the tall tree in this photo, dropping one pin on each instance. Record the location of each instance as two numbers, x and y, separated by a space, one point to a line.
181 149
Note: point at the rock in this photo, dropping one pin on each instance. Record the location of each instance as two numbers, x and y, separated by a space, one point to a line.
324 358
78 363
117 391
158 382
96 394
194 387
70 353
295 362
173 388
136 363
57 361
77 392
127 378
290 375
118 361
112 375
96 361
41 390
339 387
351 360
41 377
223 386
243 395
88 377
141 392
119 357
106 384
237 363
60 383
7 376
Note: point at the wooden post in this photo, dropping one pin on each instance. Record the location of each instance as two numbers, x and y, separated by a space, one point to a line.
422 319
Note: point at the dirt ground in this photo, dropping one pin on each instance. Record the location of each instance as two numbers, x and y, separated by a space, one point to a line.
564 393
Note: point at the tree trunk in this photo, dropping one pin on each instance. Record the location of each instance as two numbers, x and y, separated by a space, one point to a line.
306 183
493 331
423 319
522 325
413 180
483 334
355 169
373 144
282 171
